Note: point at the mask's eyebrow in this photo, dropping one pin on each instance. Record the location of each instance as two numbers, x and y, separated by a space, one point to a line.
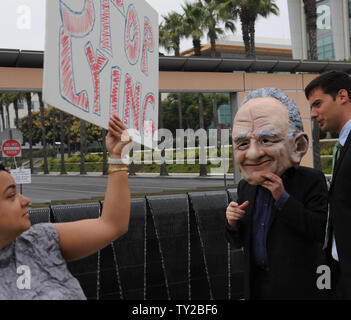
267 134
240 137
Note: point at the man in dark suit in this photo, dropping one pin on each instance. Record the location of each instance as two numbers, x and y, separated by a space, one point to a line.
329 97
280 215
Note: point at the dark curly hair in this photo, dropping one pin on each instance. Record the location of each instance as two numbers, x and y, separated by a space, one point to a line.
331 83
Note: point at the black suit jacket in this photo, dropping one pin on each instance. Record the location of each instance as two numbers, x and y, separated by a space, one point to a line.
340 216
294 238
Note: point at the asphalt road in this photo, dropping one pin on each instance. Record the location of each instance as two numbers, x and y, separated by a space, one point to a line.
47 188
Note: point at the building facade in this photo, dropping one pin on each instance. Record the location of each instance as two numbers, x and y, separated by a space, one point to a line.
333 29
22 111
232 47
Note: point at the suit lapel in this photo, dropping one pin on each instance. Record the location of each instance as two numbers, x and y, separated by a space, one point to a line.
250 210
341 157
252 199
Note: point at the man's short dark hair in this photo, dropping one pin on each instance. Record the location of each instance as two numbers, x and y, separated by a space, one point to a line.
331 83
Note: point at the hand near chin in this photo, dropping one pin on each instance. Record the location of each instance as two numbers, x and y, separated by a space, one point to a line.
274 184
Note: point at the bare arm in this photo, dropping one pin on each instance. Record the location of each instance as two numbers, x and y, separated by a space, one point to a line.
79 239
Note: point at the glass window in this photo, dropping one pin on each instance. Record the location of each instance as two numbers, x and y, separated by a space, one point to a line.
325 45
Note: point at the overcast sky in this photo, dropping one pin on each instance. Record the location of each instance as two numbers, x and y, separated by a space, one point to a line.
22 22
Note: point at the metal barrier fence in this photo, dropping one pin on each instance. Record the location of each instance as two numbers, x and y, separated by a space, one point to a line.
175 248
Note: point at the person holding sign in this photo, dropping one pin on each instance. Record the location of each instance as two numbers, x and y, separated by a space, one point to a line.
280 214
33 258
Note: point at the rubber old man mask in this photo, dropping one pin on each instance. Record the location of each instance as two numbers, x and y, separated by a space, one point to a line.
267 135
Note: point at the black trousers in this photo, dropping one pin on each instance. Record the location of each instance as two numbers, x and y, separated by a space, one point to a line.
260 285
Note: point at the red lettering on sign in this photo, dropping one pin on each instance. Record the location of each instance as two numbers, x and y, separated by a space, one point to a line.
96 65
105 41
132 101
78 23
148 45
67 86
115 80
118 3
149 99
132 36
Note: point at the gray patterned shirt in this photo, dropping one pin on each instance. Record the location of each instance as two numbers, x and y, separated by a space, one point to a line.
33 268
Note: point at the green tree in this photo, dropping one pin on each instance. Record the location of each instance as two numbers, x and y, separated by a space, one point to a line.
6 99
171 30
213 16
43 133
83 145
248 11
30 128
310 8
18 96
190 110
62 143
51 115
194 23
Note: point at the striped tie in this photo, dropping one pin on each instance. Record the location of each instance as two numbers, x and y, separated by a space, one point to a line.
336 154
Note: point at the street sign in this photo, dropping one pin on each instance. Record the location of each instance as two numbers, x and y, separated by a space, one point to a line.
11 148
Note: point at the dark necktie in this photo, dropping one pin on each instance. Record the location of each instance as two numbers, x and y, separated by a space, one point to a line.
336 155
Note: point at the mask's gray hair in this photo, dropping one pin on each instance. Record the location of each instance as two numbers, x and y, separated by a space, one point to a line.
295 121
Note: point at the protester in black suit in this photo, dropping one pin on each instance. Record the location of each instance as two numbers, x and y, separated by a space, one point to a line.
280 215
329 97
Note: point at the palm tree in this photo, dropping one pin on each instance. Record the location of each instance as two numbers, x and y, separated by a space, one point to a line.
163 167
82 146
248 11
180 109
53 121
203 171
43 133
2 116
104 153
214 110
212 17
171 31
310 9
18 96
62 144
194 23
5 101
30 134
69 124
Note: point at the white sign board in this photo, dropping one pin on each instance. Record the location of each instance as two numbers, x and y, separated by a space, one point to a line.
101 58
21 176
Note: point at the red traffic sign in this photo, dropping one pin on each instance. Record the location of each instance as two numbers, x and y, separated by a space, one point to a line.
11 148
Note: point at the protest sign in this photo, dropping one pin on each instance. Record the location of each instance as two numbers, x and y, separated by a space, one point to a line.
101 58
21 176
